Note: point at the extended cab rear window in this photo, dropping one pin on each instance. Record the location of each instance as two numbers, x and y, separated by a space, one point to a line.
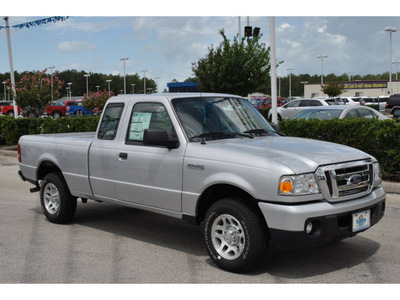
110 121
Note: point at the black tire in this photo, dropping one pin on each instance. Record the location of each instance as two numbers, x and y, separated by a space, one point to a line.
56 115
57 203
235 235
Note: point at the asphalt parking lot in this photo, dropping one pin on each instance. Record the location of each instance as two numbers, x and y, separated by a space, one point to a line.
114 244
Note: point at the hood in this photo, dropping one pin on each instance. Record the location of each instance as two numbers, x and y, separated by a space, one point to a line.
298 154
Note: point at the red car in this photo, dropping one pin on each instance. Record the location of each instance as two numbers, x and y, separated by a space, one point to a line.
55 109
266 102
6 108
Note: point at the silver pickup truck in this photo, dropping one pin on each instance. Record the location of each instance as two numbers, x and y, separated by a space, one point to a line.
210 159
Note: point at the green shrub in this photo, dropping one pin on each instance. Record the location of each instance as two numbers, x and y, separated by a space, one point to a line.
12 129
377 138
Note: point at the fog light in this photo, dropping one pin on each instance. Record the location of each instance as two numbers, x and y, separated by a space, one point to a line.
309 227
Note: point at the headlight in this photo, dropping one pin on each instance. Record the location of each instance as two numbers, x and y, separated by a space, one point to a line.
377 174
298 185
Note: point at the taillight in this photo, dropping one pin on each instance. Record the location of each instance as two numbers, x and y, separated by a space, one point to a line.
19 153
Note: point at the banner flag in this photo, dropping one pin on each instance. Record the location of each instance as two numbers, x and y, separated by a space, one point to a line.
36 23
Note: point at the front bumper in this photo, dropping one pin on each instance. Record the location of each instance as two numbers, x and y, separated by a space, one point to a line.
332 221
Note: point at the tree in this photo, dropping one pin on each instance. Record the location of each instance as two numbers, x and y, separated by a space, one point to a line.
332 89
34 91
238 67
96 101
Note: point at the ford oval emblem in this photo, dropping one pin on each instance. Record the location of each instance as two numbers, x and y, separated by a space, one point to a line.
355 179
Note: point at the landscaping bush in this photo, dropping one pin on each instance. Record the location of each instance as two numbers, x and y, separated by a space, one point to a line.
377 138
12 129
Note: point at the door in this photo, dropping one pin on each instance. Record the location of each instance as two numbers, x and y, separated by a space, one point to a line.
103 152
149 175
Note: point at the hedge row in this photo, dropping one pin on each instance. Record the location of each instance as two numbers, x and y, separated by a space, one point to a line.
11 129
380 139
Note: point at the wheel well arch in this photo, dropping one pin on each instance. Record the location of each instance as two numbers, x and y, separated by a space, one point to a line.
394 109
220 191
45 168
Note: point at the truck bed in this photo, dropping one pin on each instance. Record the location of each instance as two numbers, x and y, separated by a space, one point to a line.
69 151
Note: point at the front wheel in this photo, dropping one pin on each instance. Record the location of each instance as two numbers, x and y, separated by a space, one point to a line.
235 235
57 203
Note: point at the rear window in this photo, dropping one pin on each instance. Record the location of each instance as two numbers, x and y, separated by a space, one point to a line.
110 121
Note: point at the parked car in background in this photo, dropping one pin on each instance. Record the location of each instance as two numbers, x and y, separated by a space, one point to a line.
7 108
350 100
55 109
339 112
375 101
393 104
293 107
75 108
267 102
293 98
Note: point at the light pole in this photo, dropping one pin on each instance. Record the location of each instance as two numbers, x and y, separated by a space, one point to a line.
133 88
144 79
390 30
108 81
70 90
304 82
290 81
349 74
279 85
5 91
322 63
124 59
51 76
396 62
11 66
87 84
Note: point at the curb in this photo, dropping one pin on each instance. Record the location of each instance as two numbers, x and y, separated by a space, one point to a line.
390 187
8 152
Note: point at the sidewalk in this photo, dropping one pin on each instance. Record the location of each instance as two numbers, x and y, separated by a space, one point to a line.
390 187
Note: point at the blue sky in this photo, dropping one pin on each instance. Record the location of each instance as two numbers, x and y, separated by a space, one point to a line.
167 37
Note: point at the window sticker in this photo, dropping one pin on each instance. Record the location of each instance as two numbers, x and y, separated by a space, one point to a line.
140 122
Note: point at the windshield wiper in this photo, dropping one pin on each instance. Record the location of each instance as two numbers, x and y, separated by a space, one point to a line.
219 133
259 130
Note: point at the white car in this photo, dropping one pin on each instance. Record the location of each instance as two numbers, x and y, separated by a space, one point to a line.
374 101
349 100
293 107
339 112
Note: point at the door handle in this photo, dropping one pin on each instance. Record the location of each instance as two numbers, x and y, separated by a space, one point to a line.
123 155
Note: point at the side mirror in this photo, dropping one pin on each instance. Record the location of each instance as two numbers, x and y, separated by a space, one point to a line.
159 137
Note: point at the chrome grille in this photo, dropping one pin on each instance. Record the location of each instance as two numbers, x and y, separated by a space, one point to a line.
345 181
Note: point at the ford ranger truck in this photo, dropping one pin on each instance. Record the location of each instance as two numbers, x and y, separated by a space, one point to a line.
210 159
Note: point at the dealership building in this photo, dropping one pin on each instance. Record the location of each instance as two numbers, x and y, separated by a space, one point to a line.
368 88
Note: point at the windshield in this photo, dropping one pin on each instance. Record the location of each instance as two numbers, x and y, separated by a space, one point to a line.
213 118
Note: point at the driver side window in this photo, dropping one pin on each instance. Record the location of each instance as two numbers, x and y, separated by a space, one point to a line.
148 116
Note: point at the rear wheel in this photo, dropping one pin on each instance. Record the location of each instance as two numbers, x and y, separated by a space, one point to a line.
57 203
56 115
235 235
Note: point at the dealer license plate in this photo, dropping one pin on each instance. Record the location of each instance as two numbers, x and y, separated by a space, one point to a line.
361 220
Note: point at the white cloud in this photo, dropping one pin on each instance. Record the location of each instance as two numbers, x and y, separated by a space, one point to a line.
76 46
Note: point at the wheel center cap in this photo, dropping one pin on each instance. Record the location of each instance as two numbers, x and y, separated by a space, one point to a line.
231 236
